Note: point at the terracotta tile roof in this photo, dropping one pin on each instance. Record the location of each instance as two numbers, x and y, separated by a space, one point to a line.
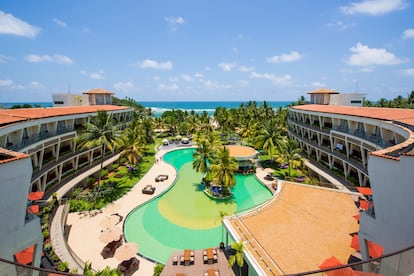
324 91
98 91
241 151
302 227
8 116
405 116
7 156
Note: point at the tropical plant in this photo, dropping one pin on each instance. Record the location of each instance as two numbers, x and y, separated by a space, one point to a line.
290 154
222 214
133 146
202 156
102 132
238 256
158 269
223 169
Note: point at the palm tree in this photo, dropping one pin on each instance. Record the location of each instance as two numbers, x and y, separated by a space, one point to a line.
270 138
222 214
100 132
133 146
223 169
290 154
238 256
202 156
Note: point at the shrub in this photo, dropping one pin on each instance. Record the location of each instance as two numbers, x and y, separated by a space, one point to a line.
104 173
115 167
158 269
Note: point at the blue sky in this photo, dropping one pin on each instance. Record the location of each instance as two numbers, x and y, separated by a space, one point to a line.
205 50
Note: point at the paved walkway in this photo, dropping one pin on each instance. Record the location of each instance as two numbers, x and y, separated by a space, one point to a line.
85 230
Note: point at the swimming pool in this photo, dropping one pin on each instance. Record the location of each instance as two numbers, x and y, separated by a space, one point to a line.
185 217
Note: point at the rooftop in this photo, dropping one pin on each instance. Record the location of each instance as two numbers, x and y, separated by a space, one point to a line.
301 227
9 116
241 151
324 91
98 91
405 116
7 156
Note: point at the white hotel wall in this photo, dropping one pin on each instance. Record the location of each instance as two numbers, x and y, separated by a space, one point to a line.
393 189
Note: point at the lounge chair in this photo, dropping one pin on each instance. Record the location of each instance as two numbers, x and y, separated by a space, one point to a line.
128 267
149 190
175 260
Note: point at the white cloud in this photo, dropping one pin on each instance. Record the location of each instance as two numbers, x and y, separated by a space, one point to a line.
60 59
235 50
242 83
94 75
407 34
36 85
6 82
365 56
4 59
408 72
156 78
173 79
174 22
148 63
226 67
290 57
60 23
168 87
97 75
277 80
214 85
14 26
246 69
318 84
341 25
374 7
124 86
187 77
198 75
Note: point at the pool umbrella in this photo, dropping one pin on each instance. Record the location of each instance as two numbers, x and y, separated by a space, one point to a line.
25 256
112 234
333 262
112 208
109 221
126 251
357 216
33 209
35 195
364 190
374 250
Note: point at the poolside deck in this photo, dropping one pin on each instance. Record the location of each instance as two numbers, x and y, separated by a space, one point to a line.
198 268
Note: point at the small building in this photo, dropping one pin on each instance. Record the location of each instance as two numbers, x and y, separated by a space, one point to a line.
321 96
95 96
245 156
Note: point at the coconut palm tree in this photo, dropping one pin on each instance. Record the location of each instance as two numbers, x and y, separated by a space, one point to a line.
290 154
102 132
223 169
238 256
133 146
222 214
202 156
270 138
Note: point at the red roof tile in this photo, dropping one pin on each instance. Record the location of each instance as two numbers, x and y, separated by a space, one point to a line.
8 116
324 91
7 156
98 91
405 116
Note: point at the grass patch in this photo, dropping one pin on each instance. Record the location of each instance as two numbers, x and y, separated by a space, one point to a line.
114 186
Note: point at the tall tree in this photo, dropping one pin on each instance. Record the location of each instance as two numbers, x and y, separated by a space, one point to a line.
223 169
102 132
290 154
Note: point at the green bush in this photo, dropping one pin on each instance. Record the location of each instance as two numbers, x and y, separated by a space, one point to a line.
158 269
104 173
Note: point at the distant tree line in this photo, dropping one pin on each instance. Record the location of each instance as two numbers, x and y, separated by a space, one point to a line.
397 102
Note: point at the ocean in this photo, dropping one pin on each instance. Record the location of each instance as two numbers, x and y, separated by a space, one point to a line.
159 107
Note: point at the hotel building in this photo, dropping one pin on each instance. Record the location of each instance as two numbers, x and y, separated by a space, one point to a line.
365 147
38 153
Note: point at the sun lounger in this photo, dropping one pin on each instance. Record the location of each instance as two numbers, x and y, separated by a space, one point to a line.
109 250
149 190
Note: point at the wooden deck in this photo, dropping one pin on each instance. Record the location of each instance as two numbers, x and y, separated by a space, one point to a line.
198 268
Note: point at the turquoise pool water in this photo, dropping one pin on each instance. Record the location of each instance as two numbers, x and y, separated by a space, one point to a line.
185 217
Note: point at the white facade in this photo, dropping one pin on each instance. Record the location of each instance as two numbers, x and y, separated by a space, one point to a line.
18 229
349 99
60 100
